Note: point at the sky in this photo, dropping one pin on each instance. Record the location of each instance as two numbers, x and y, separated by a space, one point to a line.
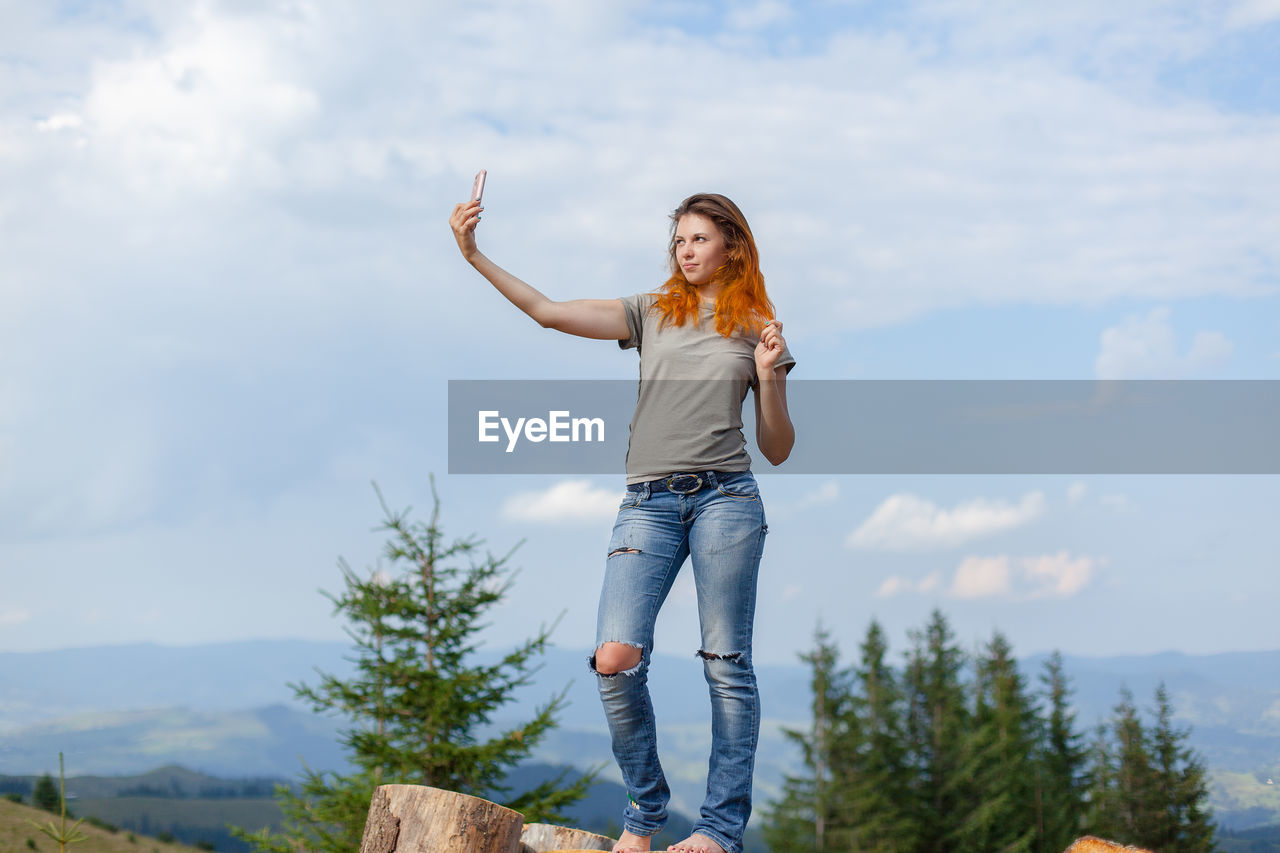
230 301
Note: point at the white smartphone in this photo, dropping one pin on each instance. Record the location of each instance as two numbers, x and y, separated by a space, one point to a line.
477 189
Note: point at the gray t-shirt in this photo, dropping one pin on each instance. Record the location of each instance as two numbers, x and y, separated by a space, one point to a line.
693 382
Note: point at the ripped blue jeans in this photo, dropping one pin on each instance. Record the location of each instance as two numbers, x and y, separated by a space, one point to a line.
721 526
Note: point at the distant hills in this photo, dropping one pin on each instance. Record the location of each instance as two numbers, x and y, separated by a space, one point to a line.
196 807
226 710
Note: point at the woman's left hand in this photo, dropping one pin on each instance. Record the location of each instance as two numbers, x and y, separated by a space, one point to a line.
770 347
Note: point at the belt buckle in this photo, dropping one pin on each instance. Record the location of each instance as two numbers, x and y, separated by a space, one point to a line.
672 479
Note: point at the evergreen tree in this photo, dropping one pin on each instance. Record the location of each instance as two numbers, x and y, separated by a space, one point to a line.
877 787
1181 821
999 758
1101 808
805 817
1060 777
45 794
418 701
936 723
1134 815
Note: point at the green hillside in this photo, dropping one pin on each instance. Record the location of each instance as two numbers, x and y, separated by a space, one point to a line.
17 835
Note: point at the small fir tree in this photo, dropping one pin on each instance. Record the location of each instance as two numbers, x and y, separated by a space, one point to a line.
804 819
62 834
418 700
1134 804
45 794
937 721
1060 776
877 783
999 758
1101 792
1181 821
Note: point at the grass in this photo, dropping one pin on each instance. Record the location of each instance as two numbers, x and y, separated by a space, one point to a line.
16 833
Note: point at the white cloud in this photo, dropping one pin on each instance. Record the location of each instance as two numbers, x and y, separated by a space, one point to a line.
1047 576
891 586
1144 348
982 577
896 585
1252 13
1116 502
826 493
61 121
758 15
906 522
1076 492
1058 575
204 110
11 617
570 502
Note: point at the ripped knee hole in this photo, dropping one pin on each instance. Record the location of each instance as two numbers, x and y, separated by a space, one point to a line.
617 551
620 659
705 655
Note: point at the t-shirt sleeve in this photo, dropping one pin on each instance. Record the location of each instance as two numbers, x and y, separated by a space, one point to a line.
786 359
635 308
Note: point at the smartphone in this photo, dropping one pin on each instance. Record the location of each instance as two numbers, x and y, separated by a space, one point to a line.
477 189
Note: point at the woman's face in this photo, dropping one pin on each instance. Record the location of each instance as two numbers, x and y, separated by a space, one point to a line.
699 248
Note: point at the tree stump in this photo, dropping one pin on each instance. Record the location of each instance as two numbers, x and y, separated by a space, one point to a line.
1092 844
418 819
545 838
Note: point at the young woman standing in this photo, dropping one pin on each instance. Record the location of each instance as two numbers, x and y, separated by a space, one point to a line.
706 337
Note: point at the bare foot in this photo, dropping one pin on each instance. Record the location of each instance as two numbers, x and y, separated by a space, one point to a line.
696 843
629 842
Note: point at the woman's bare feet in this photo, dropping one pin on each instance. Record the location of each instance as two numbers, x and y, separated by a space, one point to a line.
629 842
696 843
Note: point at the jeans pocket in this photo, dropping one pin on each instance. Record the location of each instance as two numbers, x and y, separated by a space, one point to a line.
631 498
741 487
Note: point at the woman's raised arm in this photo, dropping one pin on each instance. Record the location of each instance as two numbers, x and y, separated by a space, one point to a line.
603 319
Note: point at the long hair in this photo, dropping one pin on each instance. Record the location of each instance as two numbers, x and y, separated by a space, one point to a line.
741 302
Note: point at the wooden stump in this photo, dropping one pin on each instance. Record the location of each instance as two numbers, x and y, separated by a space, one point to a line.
1091 844
418 819
545 838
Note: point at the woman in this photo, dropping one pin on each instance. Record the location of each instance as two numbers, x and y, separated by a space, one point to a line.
690 493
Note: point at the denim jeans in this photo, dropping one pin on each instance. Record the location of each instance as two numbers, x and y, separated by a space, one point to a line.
721 526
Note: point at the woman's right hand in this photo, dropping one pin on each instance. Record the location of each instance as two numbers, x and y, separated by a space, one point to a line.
465 218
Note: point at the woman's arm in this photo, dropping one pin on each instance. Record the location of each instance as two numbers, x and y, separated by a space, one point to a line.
603 319
775 434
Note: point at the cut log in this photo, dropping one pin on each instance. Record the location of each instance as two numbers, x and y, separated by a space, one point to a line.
1091 844
545 838
413 818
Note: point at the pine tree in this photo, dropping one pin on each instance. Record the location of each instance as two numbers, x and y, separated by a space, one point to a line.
804 818
936 722
1181 822
876 786
1134 813
45 794
418 701
1100 808
1060 777
999 758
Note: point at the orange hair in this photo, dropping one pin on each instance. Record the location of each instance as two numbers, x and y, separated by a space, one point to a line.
741 302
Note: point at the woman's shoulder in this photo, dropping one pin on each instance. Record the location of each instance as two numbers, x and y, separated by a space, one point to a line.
641 302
